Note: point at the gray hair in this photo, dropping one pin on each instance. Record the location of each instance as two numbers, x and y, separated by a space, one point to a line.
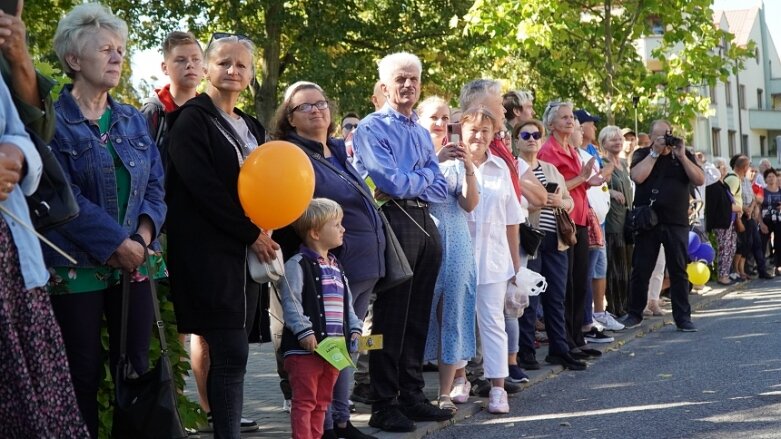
214 44
552 111
83 21
431 101
515 99
395 61
476 89
608 132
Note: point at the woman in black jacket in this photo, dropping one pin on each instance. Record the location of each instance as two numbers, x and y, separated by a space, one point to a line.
720 213
208 233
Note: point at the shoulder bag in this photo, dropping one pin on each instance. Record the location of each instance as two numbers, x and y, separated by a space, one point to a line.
148 401
565 227
397 268
531 238
53 203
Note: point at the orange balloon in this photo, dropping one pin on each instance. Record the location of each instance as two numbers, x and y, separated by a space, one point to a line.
276 184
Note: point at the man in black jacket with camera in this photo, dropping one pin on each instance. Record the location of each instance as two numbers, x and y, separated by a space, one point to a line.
664 174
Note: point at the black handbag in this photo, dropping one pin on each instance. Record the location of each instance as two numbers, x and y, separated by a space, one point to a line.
397 268
53 203
531 239
145 403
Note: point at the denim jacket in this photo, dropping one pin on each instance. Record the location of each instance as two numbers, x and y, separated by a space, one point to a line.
95 234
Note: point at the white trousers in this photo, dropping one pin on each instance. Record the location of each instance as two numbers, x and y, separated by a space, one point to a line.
490 323
657 277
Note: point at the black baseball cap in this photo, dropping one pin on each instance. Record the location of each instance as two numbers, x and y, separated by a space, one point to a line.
584 116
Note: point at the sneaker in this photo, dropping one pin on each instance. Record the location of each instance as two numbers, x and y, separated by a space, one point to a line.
287 405
597 336
350 432
362 393
517 375
351 406
687 326
629 321
481 387
607 321
248 425
446 403
424 411
460 392
528 361
391 419
497 401
511 388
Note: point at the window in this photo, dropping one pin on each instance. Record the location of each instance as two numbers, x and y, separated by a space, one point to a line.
763 145
760 98
731 142
715 134
728 93
744 144
712 92
742 97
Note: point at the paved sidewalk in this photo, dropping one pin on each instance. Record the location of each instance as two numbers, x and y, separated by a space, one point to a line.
263 399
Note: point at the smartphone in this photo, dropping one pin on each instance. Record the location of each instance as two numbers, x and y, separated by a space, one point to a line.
455 138
9 6
551 187
454 128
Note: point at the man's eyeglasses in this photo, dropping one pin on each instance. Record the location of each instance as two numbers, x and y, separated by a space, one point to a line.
349 126
220 35
525 135
308 107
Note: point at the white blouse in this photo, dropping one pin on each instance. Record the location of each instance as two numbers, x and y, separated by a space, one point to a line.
497 209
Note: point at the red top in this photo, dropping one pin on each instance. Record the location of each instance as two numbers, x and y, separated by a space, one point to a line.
552 152
499 149
164 94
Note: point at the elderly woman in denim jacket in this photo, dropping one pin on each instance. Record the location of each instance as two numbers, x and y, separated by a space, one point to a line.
116 175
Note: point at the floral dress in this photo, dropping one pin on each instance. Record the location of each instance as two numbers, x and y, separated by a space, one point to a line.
454 293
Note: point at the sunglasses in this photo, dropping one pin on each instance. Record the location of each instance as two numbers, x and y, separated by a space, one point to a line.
525 135
220 35
307 107
349 126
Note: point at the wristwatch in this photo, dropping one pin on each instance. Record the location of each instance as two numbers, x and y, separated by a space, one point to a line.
653 154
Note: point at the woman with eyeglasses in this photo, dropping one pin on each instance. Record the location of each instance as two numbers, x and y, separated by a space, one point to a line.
305 118
208 233
115 173
552 258
451 330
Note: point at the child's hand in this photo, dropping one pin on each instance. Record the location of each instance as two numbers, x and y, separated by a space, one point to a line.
309 343
354 342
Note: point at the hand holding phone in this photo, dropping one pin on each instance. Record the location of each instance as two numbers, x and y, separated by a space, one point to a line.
551 187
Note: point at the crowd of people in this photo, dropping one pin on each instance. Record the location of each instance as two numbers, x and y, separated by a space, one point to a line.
456 187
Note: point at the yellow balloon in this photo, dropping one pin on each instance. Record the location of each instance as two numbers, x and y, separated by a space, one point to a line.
276 184
699 273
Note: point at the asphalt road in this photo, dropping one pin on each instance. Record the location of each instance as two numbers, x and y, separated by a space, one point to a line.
721 382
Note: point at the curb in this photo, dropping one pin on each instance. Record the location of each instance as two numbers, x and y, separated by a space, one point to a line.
650 324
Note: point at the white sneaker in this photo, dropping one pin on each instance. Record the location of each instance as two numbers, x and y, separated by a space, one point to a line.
607 321
497 401
287 405
460 392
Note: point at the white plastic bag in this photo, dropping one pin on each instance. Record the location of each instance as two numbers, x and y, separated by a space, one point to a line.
530 282
515 301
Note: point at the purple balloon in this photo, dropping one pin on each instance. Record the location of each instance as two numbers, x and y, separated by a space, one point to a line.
694 243
705 253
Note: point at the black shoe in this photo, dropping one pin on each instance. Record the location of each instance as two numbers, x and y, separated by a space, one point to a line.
480 387
766 275
528 361
511 388
330 434
430 367
566 361
588 352
687 326
362 393
350 432
629 321
391 419
424 411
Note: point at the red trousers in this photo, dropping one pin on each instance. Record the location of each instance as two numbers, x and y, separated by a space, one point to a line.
312 381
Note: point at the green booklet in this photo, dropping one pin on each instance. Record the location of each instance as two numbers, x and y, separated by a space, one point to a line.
334 351
372 186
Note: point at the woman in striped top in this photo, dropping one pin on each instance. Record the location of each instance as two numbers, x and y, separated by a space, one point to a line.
552 259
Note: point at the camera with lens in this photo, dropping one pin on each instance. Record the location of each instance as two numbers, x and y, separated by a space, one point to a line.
672 141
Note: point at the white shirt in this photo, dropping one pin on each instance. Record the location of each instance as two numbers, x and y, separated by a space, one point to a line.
497 209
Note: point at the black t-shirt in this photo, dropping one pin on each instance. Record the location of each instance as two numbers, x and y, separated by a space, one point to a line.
673 187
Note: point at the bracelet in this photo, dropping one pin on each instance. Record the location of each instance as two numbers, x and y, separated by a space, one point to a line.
139 239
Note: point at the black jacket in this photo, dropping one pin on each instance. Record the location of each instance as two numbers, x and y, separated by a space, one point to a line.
208 232
718 206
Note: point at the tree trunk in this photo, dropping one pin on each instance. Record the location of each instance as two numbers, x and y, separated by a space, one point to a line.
609 68
266 91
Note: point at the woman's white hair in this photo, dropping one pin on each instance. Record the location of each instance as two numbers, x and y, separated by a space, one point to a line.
608 132
214 44
80 23
475 90
552 111
395 61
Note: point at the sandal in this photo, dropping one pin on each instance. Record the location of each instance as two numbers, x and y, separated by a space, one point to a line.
445 403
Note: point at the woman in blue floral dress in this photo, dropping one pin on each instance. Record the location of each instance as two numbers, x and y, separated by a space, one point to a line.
451 335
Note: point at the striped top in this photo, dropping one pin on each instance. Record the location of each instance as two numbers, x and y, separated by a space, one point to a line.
547 220
332 290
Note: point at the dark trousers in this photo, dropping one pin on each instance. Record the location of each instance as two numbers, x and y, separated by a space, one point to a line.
80 317
774 228
401 314
676 241
228 352
578 284
552 264
755 245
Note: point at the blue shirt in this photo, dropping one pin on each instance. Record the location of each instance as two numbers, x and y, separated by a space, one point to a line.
12 131
591 149
397 153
